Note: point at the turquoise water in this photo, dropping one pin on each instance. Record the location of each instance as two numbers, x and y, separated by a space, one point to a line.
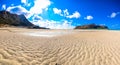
115 29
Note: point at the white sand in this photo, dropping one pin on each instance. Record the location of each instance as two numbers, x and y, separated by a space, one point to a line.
59 47
46 33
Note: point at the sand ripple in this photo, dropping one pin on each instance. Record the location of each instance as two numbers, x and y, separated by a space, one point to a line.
80 48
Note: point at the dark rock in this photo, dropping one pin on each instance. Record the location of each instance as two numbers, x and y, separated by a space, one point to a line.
91 26
24 21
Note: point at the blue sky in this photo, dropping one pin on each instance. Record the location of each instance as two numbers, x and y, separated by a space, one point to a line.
66 14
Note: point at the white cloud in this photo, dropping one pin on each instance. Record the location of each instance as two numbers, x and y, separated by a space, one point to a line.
113 15
57 11
74 15
46 9
54 24
4 7
19 10
24 1
39 6
66 13
28 4
89 17
36 18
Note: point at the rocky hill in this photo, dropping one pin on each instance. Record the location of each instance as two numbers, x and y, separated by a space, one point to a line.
91 26
8 19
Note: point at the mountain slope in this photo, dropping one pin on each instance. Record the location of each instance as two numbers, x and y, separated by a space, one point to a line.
6 18
13 19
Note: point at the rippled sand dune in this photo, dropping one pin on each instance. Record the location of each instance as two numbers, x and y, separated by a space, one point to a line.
59 47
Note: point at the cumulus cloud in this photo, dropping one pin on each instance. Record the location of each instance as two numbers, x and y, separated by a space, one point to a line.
39 6
57 11
66 13
4 7
54 24
114 14
18 10
36 18
24 1
74 15
89 17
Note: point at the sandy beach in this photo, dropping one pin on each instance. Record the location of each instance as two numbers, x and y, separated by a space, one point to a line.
59 47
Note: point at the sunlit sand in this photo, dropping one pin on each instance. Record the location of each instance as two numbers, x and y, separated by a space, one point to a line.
59 47
46 33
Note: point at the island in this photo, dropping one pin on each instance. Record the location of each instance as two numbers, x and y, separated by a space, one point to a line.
91 26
